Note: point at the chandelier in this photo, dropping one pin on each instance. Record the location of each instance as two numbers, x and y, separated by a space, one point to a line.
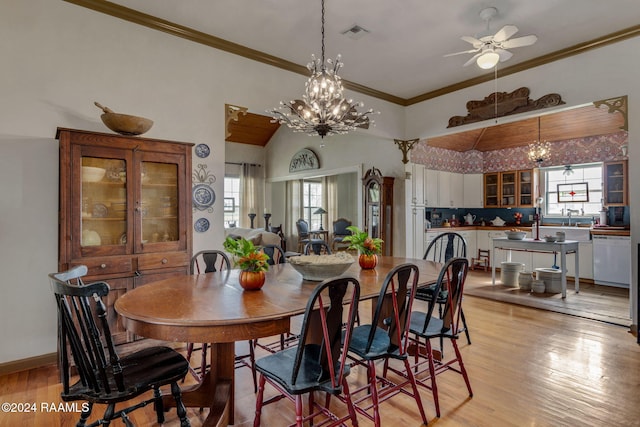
539 151
322 109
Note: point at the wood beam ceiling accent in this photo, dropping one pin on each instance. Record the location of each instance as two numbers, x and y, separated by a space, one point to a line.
177 30
249 128
570 124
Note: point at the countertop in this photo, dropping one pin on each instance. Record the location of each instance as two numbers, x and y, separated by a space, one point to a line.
606 231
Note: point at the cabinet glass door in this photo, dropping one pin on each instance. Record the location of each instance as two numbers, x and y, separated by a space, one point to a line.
491 196
373 209
525 184
159 202
615 184
102 203
508 189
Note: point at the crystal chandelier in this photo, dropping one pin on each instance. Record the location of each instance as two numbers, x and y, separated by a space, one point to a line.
322 109
539 151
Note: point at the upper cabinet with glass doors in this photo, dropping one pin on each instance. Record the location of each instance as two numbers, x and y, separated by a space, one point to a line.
125 209
615 183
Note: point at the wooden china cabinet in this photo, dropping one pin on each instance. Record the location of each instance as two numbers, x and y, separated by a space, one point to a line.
378 208
124 211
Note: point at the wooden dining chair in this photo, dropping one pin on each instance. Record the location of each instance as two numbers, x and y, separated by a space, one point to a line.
441 249
275 254
318 363
386 339
84 340
425 326
211 261
317 248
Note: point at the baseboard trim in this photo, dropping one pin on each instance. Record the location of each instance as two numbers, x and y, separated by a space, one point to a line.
28 363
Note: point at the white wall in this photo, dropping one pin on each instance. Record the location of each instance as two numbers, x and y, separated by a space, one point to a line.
59 58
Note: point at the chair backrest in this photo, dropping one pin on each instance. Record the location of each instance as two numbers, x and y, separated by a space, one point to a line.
454 277
303 229
275 254
328 353
400 287
84 330
317 248
451 278
340 227
209 261
446 246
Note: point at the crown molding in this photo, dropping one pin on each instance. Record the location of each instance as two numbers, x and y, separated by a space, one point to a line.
177 30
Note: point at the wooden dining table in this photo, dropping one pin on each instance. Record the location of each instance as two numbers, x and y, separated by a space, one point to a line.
213 308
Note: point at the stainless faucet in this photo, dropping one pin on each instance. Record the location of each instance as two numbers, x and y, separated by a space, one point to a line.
569 212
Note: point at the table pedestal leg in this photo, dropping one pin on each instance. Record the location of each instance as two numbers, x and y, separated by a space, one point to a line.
216 389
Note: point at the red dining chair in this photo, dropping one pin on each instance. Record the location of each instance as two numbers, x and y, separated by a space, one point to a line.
319 362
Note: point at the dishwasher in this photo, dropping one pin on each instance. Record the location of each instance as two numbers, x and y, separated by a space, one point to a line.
612 260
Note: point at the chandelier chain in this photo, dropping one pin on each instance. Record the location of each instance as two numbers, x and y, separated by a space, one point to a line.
322 32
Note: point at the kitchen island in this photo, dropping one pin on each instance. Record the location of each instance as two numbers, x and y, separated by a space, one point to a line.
531 245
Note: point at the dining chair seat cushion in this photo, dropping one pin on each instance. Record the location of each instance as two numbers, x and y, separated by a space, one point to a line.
434 329
141 371
381 346
280 368
426 293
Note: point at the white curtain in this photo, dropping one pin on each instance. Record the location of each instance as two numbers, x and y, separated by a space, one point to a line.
293 211
330 201
251 192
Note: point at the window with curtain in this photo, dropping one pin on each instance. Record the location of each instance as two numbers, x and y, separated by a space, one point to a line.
231 201
586 173
312 200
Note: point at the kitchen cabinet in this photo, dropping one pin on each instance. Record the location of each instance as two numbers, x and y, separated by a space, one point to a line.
415 232
124 211
510 189
615 183
472 191
470 239
378 207
431 187
415 184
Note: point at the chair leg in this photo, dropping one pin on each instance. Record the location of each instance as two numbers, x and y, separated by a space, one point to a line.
158 406
432 374
350 407
416 394
463 371
299 407
252 359
84 416
203 360
180 409
259 397
373 388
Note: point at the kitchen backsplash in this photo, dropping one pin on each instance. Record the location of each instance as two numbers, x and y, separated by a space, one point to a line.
617 216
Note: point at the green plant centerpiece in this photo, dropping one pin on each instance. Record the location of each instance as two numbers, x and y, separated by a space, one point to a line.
252 262
368 247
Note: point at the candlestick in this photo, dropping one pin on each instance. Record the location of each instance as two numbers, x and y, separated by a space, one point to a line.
266 221
252 216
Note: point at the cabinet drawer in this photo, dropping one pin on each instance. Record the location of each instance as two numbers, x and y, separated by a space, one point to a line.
162 260
105 265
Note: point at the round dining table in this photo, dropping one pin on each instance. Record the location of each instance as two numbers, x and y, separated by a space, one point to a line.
213 308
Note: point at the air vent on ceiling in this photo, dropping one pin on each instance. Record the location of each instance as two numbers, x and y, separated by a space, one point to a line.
355 32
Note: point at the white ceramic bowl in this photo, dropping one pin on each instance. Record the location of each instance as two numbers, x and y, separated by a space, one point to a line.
550 239
515 235
317 268
91 174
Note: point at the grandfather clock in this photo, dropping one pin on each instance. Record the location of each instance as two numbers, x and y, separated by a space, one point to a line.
378 207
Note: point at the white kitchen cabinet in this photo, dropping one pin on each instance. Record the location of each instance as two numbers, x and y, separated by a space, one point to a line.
415 237
415 184
470 238
431 187
472 190
450 190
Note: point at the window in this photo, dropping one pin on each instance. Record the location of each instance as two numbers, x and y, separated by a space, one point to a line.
591 174
231 191
312 201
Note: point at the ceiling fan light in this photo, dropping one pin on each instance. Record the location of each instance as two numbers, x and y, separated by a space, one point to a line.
488 60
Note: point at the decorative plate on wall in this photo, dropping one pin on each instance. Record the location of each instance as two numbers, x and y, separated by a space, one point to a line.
202 150
201 225
203 196
304 159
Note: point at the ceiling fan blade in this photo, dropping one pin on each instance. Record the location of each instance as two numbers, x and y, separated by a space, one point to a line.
504 33
474 41
460 53
472 60
519 42
503 54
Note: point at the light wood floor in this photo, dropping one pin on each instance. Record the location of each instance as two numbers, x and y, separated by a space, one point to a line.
527 367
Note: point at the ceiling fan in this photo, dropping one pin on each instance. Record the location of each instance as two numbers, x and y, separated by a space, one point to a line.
493 48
